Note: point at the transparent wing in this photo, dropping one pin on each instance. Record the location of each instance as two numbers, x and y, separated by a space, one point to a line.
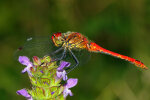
36 46
41 46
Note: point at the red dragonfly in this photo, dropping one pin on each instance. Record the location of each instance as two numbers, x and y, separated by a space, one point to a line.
74 40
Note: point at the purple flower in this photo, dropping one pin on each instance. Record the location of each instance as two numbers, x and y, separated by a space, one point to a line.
25 61
61 73
24 93
63 64
70 83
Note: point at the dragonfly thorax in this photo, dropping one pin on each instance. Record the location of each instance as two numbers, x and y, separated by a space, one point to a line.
68 45
70 40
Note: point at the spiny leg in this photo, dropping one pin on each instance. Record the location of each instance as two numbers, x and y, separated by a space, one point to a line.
56 51
75 65
63 56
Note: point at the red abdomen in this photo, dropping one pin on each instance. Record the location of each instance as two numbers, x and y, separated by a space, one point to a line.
93 47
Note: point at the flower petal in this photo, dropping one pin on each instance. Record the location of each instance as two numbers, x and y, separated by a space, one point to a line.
69 92
24 60
66 92
24 70
63 64
27 69
24 93
71 82
62 74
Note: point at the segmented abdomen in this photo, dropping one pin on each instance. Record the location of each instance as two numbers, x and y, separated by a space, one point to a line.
93 47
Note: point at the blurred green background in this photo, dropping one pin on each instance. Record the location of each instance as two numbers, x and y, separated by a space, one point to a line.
122 26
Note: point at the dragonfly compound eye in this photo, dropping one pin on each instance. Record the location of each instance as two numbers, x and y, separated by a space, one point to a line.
57 39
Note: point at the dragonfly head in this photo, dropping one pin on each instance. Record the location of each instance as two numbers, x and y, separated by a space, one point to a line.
57 39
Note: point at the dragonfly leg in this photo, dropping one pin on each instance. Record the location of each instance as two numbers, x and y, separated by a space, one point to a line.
56 51
75 65
62 57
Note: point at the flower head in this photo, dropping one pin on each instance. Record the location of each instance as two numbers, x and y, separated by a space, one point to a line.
46 78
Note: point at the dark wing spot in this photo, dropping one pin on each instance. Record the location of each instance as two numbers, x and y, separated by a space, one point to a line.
20 48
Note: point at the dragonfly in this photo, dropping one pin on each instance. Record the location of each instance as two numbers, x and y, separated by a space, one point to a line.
74 40
44 46
64 46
